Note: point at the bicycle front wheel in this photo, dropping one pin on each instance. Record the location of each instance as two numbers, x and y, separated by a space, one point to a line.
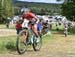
21 42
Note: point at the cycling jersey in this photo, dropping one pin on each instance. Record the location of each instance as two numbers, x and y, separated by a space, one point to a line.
39 26
29 16
19 26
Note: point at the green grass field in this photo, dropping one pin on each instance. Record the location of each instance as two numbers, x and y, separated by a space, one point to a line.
8 43
3 26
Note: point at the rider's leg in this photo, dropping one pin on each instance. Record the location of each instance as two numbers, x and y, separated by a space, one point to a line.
34 29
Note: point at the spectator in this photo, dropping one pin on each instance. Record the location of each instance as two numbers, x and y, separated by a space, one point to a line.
7 25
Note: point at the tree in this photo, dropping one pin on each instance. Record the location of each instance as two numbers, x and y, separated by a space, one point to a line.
68 10
6 9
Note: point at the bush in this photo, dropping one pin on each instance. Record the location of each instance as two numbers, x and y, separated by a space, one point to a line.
71 30
11 45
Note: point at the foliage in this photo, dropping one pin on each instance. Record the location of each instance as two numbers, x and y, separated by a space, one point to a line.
71 30
68 10
37 7
16 11
7 43
10 45
6 9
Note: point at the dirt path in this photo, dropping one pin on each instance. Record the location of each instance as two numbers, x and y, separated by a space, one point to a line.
59 46
7 32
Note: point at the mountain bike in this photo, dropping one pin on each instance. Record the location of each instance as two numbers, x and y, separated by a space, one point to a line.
27 37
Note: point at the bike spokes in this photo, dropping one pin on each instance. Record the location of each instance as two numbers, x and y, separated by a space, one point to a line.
22 42
37 45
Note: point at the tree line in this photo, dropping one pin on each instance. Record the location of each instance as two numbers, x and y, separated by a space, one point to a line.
6 10
9 9
68 10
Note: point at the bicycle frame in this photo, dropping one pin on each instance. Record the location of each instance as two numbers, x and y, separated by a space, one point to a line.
31 34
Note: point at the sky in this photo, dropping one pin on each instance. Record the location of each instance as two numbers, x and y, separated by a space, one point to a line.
44 1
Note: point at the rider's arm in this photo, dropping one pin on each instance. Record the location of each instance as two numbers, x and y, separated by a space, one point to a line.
23 17
35 17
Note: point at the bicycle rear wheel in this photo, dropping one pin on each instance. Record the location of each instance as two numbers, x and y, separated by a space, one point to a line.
37 45
22 42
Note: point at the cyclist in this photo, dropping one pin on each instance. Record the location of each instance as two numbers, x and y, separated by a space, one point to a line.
66 28
18 26
40 26
33 21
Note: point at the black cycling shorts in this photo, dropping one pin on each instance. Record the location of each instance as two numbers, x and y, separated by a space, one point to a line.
32 22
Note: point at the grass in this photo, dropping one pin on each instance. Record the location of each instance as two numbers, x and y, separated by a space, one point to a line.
7 44
46 38
71 30
3 26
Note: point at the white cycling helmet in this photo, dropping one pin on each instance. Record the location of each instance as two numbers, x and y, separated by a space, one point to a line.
24 10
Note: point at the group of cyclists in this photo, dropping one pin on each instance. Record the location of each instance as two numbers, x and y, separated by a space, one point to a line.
29 20
34 23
